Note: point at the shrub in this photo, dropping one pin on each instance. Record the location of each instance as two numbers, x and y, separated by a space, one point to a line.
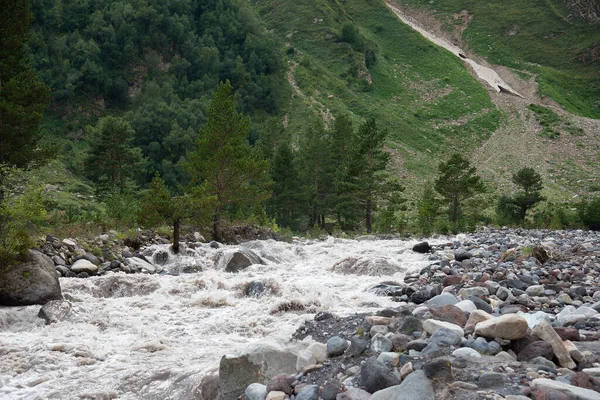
589 213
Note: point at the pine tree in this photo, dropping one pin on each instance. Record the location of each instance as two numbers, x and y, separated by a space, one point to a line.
223 164
23 97
529 194
286 202
111 161
457 181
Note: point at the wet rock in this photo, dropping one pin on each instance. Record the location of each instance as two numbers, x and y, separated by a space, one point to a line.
161 257
422 247
55 311
375 376
508 327
139 265
255 289
387 289
336 346
235 260
33 282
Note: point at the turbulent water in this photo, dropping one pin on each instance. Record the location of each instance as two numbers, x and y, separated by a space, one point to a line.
154 336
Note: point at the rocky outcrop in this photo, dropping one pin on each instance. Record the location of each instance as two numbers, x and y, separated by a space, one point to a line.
32 282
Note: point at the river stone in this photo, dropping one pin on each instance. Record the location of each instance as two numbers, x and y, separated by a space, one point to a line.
535 318
378 329
281 383
475 318
138 264
442 300
462 254
509 326
476 291
33 282
535 290
538 348
256 391
336 345
380 344
449 313
375 376
422 248
545 332
319 351
259 363
235 260
400 340
438 369
389 359
466 306
329 391
570 390
416 386
409 325
55 311
276 395
431 326
357 347
354 394
466 352
308 392
305 358
446 337
490 379
84 265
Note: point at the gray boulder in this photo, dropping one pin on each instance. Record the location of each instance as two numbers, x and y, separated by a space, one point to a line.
308 392
416 386
375 376
55 311
83 265
33 282
259 363
336 345
235 260
256 391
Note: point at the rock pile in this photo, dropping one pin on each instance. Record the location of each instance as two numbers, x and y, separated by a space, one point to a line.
498 314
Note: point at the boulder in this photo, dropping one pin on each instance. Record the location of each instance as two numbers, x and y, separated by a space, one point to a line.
439 369
140 265
446 337
475 318
570 390
32 282
380 343
336 345
83 265
55 311
416 386
450 313
375 376
545 332
235 260
259 363
509 327
432 325
256 391
319 351
422 248
538 348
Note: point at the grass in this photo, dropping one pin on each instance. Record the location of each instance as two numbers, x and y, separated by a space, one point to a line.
552 124
533 36
421 93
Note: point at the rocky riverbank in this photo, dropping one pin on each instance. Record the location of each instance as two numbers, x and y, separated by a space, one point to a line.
497 314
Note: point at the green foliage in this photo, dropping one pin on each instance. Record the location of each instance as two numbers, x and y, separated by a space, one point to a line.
286 204
23 97
513 209
552 124
20 215
111 161
456 182
428 210
589 213
223 165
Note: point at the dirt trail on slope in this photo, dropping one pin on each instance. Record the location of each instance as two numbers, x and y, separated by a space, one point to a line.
568 164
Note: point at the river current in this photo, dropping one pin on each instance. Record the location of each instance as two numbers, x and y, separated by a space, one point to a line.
154 336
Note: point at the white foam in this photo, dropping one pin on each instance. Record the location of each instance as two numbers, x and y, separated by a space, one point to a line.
153 336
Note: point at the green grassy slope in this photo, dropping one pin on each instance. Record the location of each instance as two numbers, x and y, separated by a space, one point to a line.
420 92
544 37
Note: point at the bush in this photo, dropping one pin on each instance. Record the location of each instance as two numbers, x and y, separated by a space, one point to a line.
19 218
589 213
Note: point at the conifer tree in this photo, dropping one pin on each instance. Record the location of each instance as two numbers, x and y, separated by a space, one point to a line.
456 182
223 165
111 160
286 202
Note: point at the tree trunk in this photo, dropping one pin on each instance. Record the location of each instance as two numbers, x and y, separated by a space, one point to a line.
368 217
176 225
217 234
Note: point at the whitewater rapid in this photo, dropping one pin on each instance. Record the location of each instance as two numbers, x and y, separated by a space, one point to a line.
154 336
